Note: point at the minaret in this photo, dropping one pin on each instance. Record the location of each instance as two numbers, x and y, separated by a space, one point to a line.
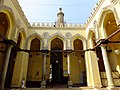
60 18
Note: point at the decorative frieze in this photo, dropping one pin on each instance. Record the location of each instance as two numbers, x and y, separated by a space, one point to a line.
68 35
46 35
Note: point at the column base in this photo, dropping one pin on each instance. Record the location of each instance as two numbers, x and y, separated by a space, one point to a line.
43 84
111 87
70 84
97 87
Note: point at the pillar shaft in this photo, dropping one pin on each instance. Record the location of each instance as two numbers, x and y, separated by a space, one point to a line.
87 69
68 64
20 69
93 73
43 83
69 73
5 66
107 67
44 66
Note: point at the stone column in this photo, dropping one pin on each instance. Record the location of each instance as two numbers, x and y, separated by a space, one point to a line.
43 83
94 75
68 66
5 66
87 69
107 67
20 69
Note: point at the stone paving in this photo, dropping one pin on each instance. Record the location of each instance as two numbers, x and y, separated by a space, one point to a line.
74 88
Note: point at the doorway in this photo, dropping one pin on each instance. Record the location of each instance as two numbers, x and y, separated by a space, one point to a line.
56 64
56 67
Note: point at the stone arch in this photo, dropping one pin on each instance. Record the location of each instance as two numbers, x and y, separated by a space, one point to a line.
82 38
23 38
108 24
107 10
90 36
11 18
31 37
57 35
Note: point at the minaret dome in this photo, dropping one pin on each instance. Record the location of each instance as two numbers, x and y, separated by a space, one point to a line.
60 18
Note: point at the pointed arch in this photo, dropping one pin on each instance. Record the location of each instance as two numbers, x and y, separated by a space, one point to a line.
82 38
90 37
31 37
23 38
11 18
57 35
105 11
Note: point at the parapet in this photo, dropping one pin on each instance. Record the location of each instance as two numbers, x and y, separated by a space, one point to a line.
66 25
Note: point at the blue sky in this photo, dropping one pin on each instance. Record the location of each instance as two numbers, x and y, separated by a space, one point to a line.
76 11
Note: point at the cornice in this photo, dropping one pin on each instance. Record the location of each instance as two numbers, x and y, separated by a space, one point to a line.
56 28
20 11
94 11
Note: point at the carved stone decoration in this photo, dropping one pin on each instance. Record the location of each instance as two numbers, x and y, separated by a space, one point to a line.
1 1
18 23
46 35
114 2
68 35
95 24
